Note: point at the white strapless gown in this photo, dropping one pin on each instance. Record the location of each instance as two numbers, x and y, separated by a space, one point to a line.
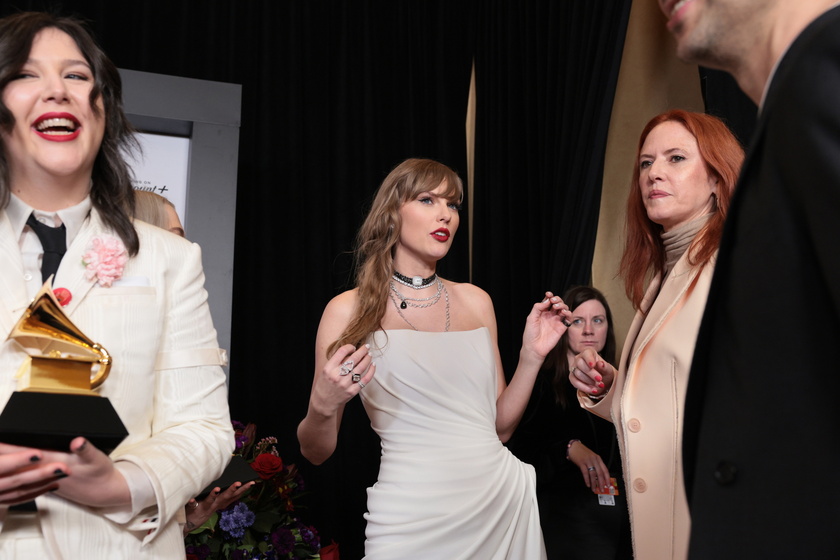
447 488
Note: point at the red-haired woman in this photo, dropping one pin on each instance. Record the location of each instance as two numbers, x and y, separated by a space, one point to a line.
686 168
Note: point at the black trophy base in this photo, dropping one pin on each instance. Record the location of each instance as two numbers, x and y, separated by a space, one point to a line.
53 420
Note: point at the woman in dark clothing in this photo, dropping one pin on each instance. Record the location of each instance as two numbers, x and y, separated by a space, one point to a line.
575 453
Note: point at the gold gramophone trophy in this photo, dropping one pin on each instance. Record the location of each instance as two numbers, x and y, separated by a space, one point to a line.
55 401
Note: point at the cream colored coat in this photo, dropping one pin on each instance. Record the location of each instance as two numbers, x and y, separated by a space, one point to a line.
165 383
646 405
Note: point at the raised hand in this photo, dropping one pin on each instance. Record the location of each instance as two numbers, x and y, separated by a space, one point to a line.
591 374
545 324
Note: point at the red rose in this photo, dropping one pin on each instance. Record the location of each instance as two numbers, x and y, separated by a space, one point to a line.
330 552
267 465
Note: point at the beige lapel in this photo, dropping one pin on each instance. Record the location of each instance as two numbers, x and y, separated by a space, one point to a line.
670 294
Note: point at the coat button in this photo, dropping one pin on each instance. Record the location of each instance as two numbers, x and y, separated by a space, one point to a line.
726 473
634 425
639 485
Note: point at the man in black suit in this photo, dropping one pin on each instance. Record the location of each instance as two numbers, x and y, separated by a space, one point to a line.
762 424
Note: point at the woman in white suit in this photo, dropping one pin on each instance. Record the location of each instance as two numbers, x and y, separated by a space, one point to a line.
686 168
135 289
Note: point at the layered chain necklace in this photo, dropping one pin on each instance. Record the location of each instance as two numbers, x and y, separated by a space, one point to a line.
418 283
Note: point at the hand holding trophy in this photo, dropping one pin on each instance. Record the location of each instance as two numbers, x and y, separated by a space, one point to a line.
56 401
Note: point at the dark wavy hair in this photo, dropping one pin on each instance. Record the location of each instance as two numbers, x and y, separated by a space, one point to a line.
111 192
557 360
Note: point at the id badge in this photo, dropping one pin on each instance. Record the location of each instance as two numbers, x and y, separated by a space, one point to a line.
606 497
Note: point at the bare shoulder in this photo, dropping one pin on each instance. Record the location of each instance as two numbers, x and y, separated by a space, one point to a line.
469 293
473 304
340 308
335 318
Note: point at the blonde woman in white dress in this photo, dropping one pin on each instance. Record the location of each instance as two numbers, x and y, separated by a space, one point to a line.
421 352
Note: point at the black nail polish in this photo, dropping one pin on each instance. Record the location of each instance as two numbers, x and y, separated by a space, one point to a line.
34 459
60 473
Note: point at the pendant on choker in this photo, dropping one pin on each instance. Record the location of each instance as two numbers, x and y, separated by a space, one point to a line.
403 305
416 282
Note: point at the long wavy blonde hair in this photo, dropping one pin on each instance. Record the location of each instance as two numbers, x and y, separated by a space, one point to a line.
375 242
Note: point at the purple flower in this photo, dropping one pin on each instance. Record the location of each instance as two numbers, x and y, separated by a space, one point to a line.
240 437
283 541
235 521
201 551
309 536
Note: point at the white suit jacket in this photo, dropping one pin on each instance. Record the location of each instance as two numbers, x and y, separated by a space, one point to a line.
166 384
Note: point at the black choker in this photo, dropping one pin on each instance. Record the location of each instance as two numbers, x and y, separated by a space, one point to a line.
416 282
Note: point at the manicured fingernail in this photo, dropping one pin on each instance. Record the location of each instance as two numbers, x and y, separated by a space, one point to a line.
601 385
34 459
59 473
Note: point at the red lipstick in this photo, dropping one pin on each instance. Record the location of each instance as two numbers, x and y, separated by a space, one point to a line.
441 234
57 127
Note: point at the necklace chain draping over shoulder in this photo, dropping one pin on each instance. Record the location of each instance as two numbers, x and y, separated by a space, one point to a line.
406 302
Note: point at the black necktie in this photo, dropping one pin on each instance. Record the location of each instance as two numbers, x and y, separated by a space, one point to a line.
54 242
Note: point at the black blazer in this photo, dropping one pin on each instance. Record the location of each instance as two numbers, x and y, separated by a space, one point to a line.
762 424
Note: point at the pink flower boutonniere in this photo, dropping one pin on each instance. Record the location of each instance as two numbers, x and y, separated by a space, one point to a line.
105 259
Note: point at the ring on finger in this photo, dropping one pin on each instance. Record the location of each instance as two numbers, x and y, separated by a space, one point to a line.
591 469
361 385
346 368
574 369
356 378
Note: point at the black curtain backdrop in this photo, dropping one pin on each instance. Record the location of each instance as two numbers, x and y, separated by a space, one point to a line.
546 73
336 93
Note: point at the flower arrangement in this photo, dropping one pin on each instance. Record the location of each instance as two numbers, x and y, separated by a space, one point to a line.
262 524
105 259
